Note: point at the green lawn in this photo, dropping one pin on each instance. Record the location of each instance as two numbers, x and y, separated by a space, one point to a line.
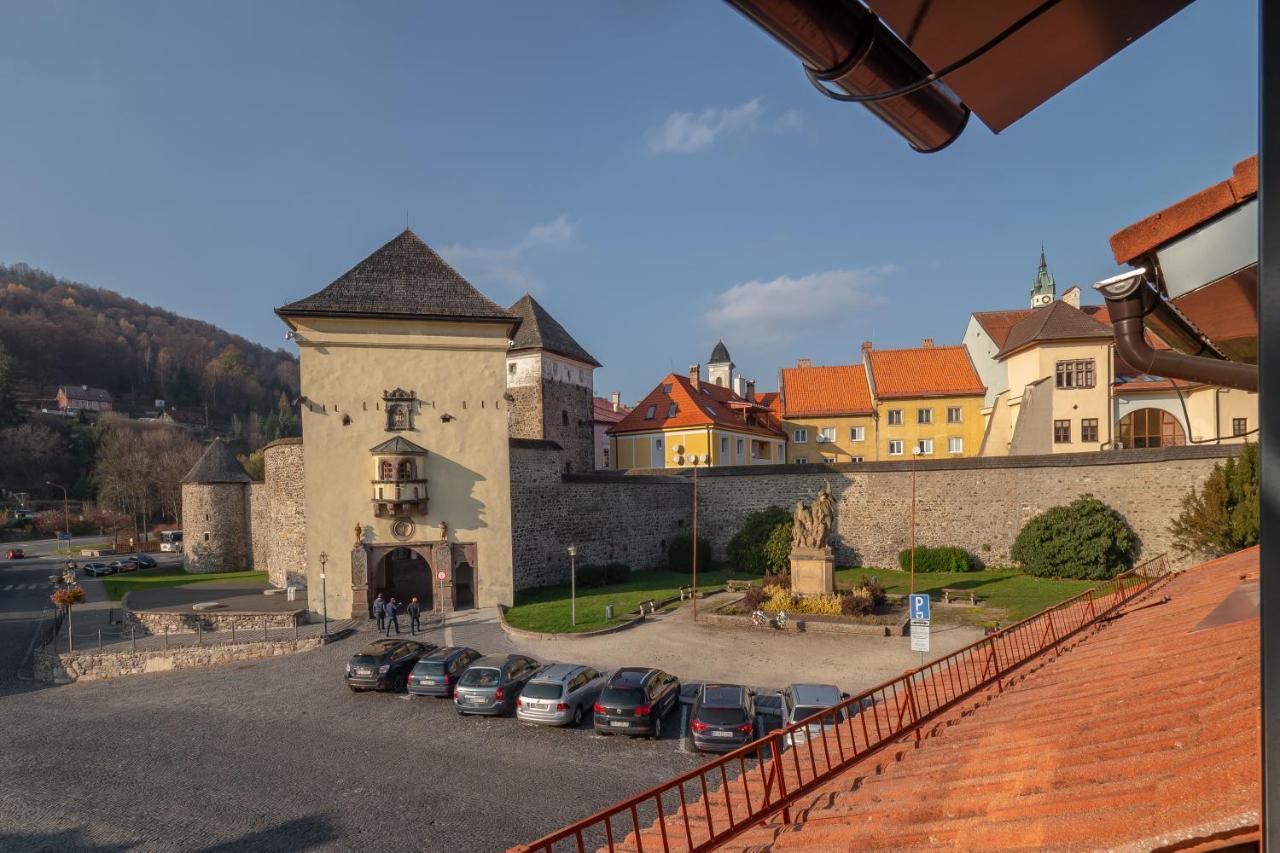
546 609
1017 594
118 585
74 549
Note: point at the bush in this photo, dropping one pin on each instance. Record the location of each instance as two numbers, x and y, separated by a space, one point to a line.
814 605
746 550
590 575
945 559
680 553
782 579
1223 516
777 549
863 599
616 572
1086 539
754 597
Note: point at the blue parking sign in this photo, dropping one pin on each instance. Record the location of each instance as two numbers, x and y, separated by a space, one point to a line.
919 606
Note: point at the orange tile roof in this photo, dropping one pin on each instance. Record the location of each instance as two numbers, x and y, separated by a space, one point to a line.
1143 735
836 390
998 323
924 372
1129 244
602 411
708 405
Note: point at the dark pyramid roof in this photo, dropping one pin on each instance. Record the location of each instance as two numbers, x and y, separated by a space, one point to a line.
1055 322
539 330
397 445
405 278
217 465
720 355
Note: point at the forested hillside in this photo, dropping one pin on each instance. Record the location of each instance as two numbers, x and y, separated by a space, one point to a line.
60 332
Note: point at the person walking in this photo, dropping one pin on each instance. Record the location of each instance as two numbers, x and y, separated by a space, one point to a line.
380 611
392 609
415 614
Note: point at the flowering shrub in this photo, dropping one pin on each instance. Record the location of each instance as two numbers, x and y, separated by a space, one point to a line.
781 598
68 595
862 600
754 597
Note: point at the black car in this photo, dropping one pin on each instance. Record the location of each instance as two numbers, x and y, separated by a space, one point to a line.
723 718
385 664
436 674
635 700
97 570
143 561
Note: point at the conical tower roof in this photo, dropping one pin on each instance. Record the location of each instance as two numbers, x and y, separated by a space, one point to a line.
720 355
217 465
539 330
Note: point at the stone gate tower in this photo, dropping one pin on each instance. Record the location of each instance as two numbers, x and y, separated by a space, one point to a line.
215 513
550 380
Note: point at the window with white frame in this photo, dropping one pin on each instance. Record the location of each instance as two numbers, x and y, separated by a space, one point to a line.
827 434
650 412
857 433
925 446
855 458
800 436
924 416
955 445
895 417
738 449
895 447
724 448
671 410
954 414
800 460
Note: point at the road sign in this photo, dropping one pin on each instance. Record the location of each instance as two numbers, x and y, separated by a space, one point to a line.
919 606
441 575
920 635
63 536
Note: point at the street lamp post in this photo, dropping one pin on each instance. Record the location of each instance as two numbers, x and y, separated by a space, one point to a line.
324 591
694 588
66 508
915 452
573 585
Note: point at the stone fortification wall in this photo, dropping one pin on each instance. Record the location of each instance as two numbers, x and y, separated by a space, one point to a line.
259 515
284 535
612 516
215 527
977 504
567 420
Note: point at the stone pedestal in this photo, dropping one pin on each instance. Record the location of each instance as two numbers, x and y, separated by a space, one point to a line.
811 571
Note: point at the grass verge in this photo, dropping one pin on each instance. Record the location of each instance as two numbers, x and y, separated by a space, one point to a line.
117 585
546 609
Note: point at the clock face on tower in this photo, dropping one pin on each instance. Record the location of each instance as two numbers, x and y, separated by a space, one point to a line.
1040 299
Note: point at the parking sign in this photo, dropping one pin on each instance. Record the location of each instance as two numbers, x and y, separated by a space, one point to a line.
919 606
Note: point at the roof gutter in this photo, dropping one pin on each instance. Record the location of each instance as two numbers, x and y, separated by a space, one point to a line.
1130 300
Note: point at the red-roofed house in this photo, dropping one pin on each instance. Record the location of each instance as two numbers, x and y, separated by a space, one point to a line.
688 418
604 414
928 401
827 413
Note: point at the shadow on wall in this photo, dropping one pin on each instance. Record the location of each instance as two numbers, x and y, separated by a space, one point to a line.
463 510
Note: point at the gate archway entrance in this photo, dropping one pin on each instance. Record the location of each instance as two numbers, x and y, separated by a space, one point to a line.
413 569
464 586
403 573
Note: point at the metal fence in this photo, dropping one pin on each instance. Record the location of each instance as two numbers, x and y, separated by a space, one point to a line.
736 791
92 635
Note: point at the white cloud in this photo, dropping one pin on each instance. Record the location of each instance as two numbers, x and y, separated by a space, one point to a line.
790 120
785 308
684 133
506 268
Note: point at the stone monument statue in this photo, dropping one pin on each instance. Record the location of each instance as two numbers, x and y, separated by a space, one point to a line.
812 558
359 536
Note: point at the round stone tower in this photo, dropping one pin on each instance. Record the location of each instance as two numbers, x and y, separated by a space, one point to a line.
215 513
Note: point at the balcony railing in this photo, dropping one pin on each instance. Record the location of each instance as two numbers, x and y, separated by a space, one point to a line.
719 800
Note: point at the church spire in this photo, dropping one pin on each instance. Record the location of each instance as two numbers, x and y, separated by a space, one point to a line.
1043 289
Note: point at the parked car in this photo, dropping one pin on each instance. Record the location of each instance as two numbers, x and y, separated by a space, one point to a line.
143 561
635 700
97 570
125 565
805 700
723 718
384 664
15 554
559 694
437 673
491 684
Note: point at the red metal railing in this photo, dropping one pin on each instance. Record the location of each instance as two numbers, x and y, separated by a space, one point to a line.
741 789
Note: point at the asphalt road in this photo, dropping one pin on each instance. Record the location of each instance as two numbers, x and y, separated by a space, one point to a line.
279 755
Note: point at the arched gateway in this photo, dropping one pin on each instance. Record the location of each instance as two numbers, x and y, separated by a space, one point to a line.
413 569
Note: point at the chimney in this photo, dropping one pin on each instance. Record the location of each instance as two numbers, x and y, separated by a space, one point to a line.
1072 296
866 346
926 343
694 371
615 400
804 362
751 390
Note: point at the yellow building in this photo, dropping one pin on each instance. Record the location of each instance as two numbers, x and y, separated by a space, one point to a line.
689 420
827 413
927 398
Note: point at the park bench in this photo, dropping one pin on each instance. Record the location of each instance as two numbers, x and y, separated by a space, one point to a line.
948 594
686 592
737 585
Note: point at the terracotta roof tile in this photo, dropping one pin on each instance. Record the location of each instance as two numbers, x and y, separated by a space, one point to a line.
708 405
602 411
998 323
834 390
924 372
1128 244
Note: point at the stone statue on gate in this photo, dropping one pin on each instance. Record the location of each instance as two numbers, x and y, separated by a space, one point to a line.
812 559
359 535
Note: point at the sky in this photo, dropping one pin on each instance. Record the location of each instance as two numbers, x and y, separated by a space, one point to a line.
659 175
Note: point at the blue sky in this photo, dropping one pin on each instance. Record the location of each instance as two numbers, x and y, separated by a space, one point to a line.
658 174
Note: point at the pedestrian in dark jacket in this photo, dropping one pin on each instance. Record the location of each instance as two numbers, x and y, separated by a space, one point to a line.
380 611
392 609
415 613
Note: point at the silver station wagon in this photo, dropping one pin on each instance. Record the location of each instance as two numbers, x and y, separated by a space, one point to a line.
490 686
561 694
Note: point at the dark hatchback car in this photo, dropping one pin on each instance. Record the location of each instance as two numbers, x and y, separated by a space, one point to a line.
385 664
723 718
635 700
437 674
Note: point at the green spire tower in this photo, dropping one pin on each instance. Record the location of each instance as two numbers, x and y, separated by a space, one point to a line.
1043 289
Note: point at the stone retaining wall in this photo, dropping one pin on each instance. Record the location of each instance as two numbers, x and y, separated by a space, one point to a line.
190 621
65 667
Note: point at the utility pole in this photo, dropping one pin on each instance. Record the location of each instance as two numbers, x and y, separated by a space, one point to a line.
66 510
694 595
915 452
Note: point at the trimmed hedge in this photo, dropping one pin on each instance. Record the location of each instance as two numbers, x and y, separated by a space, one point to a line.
944 559
1086 539
591 575
680 553
746 550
